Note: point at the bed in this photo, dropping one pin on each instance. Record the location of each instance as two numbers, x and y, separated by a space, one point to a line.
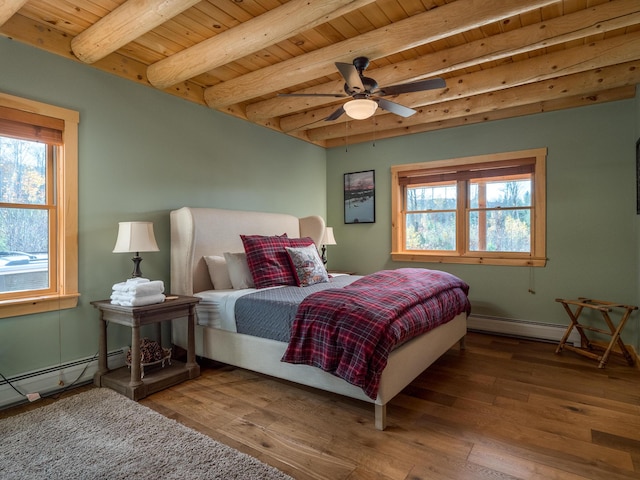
200 234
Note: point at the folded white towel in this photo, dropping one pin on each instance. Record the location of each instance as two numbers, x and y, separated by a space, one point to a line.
137 280
138 301
130 282
150 288
128 296
140 288
122 297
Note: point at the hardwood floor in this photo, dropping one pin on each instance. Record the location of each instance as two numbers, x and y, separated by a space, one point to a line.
502 409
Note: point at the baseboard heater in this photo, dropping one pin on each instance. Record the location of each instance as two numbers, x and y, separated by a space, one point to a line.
548 332
50 380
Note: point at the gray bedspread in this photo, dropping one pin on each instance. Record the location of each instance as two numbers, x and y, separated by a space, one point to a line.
270 313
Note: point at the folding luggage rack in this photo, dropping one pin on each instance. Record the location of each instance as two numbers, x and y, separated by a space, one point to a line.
588 347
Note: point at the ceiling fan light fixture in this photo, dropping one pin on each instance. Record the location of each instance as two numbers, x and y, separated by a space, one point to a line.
360 108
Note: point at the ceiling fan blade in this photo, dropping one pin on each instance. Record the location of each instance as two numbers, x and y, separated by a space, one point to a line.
419 86
335 115
351 76
334 95
394 107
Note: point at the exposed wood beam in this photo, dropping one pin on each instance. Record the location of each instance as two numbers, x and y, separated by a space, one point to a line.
8 8
604 53
129 21
599 36
603 96
265 30
571 85
441 22
591 21
51 40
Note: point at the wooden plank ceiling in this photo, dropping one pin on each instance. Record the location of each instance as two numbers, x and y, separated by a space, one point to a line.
499 58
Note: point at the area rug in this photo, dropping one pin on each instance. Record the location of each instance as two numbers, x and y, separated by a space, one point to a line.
100 434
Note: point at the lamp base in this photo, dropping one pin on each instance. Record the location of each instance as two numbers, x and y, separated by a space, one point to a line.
136 266
324 254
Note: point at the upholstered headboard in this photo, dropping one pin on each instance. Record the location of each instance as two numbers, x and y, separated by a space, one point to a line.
196 232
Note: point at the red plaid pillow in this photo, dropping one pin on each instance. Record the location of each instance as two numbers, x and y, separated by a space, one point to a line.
268 259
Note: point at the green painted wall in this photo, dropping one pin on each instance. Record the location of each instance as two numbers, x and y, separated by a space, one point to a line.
592 233
142 154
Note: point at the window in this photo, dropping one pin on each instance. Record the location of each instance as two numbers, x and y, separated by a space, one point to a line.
38 207
488 209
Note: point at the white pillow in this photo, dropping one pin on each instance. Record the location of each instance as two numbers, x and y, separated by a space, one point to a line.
218 272
239 272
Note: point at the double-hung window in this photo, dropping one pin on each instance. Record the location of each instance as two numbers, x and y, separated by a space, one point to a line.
38 207
488 209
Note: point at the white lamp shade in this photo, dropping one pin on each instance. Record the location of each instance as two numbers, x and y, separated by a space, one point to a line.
135 237
328 238
360 108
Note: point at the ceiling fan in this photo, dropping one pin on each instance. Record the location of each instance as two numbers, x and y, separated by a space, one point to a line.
367 95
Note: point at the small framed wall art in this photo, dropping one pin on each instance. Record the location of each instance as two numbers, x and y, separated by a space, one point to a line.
360 197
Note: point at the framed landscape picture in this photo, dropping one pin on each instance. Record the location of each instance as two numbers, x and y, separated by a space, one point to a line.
360 197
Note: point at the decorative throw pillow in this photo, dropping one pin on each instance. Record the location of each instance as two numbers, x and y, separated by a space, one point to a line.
307 265
268 260
219 272
239 270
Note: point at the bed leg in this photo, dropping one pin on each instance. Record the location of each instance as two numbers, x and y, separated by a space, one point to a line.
381 416
463 345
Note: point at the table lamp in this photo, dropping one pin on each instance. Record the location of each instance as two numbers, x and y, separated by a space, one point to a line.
327 239
135 237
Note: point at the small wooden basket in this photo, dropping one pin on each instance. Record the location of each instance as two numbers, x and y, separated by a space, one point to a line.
166 358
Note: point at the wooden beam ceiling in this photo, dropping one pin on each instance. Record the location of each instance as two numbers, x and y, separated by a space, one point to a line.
417 30
116 29
593 56
584 23
8 8
499 58
274 26
576 85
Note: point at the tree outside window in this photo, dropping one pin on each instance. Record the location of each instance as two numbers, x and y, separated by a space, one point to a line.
38 207
24 224
488 209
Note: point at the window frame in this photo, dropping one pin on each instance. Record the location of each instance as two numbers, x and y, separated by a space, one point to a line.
63 292
462 255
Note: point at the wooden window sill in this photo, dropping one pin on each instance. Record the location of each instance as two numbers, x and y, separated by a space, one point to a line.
39 304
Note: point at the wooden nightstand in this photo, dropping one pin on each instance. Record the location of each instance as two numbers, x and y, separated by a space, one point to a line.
130 383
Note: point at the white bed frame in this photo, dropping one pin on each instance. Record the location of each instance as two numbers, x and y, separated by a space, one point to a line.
196 232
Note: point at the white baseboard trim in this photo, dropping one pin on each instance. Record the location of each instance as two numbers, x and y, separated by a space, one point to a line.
521 328
48 381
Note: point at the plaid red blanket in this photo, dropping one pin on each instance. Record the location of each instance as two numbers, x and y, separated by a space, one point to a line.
350 331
